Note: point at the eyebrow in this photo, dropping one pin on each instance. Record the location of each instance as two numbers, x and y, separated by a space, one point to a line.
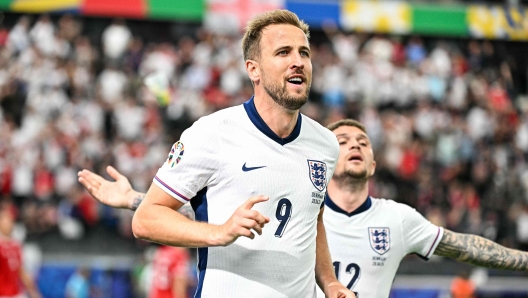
283 48
302 48
346 135
306 48
362 136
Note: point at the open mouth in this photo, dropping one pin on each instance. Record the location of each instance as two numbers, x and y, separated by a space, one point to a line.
355 157
296 80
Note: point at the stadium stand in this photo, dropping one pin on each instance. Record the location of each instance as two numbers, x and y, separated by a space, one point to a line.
448 118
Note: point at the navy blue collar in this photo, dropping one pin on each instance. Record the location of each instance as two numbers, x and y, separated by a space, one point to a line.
364 207
254 116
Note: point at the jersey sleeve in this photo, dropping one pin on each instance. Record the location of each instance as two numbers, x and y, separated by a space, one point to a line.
191 163
334 147
419 235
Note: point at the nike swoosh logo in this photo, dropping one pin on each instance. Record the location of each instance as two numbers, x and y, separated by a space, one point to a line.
247 169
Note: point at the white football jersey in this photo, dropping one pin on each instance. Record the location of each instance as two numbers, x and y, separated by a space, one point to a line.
229 156
368 244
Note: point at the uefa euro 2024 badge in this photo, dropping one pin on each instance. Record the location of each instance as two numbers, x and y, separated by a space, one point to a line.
176 154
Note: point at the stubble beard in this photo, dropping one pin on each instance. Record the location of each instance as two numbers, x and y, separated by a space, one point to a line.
350 178
281 96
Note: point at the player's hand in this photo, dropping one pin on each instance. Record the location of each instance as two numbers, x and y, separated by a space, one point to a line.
114 194
34 294
243 222
337 290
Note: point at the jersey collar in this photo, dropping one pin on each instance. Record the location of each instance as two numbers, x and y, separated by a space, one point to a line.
254 116
364 207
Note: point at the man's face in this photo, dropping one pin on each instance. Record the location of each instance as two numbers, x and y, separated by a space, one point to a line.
285 65
356 158
7 222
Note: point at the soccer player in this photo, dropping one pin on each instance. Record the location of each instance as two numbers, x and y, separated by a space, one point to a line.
258 164
368 237
13 277
170 272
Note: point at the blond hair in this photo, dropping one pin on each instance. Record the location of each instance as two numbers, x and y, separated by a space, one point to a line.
346 122
251 39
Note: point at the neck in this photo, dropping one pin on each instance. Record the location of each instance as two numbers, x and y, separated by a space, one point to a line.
280 120
348 194
4 236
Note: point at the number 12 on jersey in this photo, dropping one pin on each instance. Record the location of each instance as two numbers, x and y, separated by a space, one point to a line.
349 268
283 215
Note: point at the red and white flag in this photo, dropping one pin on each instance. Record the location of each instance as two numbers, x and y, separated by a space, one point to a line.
231 16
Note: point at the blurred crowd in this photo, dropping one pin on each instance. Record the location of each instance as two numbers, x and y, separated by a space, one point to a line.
448 125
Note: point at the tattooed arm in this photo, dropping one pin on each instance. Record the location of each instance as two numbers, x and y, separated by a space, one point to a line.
136 201
480 251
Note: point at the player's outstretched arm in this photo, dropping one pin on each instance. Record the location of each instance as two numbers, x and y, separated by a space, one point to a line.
157 220
117 194
27 281
480 251
324 271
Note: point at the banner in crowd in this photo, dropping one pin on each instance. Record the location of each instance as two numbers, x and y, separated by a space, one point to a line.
458 20
498 22
387 17
156 9
41 5
439 19
230 16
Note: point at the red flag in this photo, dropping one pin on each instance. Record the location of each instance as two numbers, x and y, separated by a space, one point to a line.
123 8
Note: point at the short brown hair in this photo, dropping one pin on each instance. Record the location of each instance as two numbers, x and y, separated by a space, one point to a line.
251 39
346 122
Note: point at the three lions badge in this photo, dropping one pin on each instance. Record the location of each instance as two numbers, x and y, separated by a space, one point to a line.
317 174
379 239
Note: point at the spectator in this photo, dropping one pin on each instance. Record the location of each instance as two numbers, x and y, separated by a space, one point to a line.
116 38
462 287
18 39
78 285
43 35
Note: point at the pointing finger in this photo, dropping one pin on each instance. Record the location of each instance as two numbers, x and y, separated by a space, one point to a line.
253 200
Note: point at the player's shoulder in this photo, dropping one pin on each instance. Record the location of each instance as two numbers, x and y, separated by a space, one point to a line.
317 129
222 116
9 242
388 204
219 119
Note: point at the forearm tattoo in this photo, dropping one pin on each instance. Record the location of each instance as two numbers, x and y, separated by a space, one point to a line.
137 201
480 251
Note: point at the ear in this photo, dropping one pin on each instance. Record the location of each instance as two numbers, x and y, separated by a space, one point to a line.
253 70
373 168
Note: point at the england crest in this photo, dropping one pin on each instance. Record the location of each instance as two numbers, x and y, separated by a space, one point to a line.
317 171
379 239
